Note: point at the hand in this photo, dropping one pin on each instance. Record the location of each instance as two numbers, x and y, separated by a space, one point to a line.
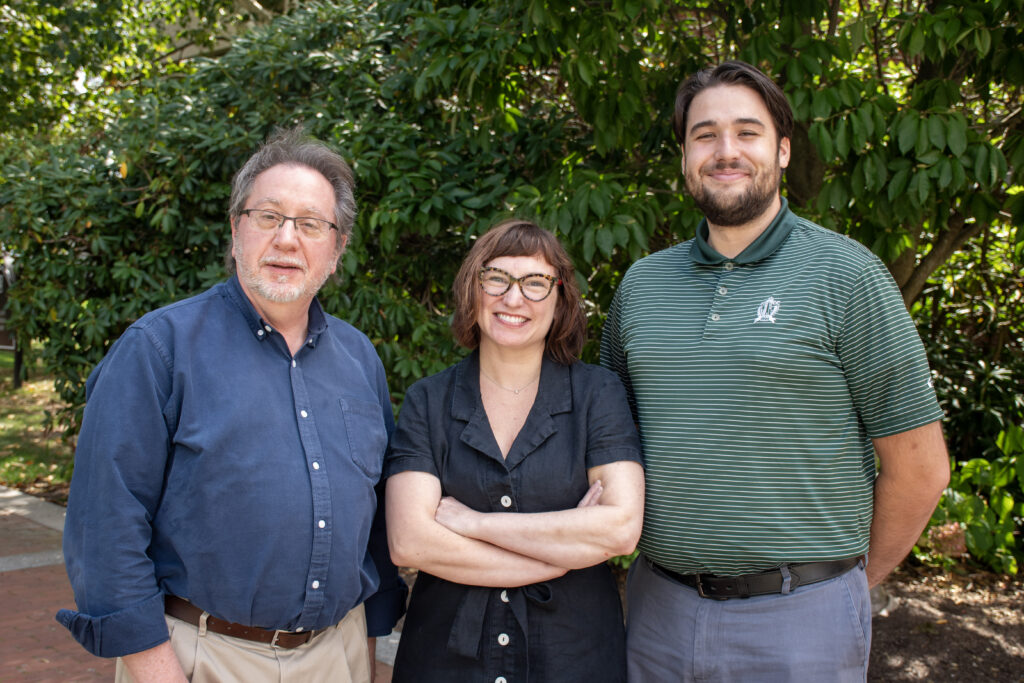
592 496
455 516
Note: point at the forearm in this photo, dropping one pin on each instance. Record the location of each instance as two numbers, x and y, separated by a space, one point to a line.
914 471
434 549
155 665
576 538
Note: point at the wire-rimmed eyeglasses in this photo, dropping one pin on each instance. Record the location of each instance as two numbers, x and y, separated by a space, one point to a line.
269 221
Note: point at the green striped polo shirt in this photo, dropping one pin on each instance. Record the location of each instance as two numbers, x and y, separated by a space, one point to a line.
758 383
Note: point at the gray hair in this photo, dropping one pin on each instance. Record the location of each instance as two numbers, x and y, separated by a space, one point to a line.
293 146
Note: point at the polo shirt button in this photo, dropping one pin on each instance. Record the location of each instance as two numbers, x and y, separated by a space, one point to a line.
723 291
503 639
506 502
714 317
315 584
730 265
504 596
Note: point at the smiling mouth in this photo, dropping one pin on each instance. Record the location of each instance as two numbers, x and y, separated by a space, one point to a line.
511 319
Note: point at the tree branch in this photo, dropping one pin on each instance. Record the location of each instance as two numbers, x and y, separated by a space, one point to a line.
948 241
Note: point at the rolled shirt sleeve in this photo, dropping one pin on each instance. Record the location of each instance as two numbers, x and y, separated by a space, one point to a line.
116 487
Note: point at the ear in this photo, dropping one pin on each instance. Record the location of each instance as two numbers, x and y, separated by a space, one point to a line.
784 153
234 235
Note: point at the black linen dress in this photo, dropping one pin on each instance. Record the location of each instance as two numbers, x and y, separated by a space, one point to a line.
563 630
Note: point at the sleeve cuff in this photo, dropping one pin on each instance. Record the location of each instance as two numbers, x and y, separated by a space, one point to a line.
127 631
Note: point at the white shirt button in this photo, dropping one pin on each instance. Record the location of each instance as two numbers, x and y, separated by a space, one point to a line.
315 584
500 679
723 290
321 524
730 265
303 413
298 630
714 317
506 502
293 363
268 328
503 639
504 596
259 333
316 466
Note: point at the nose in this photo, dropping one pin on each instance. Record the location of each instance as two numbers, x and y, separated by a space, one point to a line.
287 235
725 147
514 295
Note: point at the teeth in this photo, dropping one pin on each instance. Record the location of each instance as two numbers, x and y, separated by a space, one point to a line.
511 318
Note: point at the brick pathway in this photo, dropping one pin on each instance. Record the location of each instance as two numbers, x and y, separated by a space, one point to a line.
33 586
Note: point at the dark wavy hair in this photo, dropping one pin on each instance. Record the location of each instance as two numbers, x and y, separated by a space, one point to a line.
734 72
515 237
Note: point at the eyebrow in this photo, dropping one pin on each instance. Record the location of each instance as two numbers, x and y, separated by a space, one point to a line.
744 120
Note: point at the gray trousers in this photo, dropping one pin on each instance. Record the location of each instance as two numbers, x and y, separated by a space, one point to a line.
816 633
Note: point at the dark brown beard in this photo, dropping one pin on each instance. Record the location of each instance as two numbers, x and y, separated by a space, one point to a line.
744 208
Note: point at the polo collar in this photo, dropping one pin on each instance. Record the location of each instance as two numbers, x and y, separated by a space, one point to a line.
764 246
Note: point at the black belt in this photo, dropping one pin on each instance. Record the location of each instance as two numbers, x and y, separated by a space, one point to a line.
762 583
180 608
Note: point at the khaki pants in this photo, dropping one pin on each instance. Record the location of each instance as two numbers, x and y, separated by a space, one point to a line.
340 655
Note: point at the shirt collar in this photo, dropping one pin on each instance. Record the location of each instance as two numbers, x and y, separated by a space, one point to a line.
761 248
317 319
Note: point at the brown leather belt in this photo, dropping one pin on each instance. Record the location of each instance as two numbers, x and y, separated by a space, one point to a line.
179 608
762 583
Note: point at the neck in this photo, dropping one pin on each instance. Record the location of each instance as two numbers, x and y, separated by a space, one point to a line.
510 368
730 241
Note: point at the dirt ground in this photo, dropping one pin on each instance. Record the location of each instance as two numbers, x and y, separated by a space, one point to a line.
955 626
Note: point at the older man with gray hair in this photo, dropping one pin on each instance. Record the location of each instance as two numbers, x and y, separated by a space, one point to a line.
223 517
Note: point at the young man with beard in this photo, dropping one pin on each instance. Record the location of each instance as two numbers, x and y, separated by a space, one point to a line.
768 362
223 517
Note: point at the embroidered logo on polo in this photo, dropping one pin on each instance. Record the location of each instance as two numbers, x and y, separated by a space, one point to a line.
767 310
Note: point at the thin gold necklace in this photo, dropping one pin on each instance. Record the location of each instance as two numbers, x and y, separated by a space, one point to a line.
500 386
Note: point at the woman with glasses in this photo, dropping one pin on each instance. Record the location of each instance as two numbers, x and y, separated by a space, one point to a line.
512 477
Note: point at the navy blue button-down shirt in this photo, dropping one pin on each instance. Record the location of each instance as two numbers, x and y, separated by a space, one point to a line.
214 465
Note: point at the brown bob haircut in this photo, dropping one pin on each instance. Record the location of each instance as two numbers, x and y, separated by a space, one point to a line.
515 237
734 72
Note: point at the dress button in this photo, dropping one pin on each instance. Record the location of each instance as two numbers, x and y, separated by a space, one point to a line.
259 333
723 291
503 639
506 502
303 413
268 328
321 524
299 630
315 584
504 596
316 466
730 265
500 679
714 317
293 363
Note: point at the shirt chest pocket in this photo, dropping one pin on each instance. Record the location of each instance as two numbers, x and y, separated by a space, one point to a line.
366 434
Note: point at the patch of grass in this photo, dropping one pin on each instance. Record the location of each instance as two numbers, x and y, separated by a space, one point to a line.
33 457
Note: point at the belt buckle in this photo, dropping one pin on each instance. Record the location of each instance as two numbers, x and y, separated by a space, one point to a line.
700 587
273 641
